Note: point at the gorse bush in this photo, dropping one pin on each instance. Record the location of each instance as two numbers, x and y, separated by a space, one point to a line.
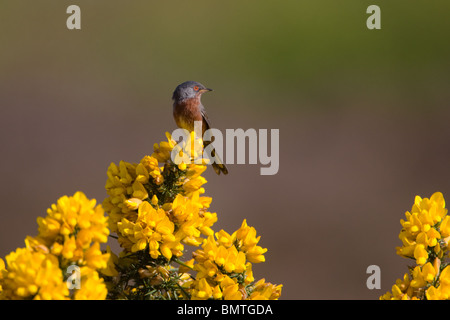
70 234
425 236
155 209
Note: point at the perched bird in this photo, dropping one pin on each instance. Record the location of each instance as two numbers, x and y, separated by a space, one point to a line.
187 108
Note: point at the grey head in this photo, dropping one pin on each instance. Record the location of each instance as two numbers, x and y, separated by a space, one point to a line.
189 90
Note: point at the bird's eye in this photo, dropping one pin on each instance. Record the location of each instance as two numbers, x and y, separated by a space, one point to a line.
196 88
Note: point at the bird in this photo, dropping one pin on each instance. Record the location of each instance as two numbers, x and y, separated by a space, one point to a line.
188 108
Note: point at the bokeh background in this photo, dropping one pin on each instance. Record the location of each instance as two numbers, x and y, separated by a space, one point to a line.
363 118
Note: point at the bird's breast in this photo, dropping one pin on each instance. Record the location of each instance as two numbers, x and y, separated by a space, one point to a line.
186 113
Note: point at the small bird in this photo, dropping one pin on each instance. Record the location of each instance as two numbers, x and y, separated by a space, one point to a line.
187 108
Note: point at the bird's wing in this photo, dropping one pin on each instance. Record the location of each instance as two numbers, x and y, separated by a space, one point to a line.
205 118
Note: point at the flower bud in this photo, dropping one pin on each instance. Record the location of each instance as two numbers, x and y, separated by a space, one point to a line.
133 203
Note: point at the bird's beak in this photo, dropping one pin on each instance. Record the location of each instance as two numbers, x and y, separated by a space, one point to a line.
205 90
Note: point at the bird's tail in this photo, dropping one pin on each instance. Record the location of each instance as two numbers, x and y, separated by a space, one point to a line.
218 166
217 163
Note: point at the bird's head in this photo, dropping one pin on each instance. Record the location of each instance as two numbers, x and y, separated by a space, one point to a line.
189 90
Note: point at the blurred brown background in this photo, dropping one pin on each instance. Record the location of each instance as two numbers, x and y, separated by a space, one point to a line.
363 118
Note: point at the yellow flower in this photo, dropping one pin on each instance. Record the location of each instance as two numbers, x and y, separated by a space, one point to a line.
154 200
428 272
92 287
214 257
70 251
194 171
32 275
247 242
424 226
420 254
194 184
184 208
133 203
119 188
36 244
217 293
412 288
73 228
74 215
149 168
445 228
189 151
161 208
2 270
139 191
113 260
425 237
265 291
230 289
229 253
442 292
182 166
163 151
191 218
206 268
202 290
249 278
186 266
224 238
423 275
235 261
152 228
94 257
70 233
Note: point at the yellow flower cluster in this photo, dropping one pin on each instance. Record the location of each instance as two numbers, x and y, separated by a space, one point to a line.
154 208
229 252
92 286
152 228
424 228
191 217
224 269
158 207
70 234
73 229
425 236
423 283
441 291
263 290
125 187
32 274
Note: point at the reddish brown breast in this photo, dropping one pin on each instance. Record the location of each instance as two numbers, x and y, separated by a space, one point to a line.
186 112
